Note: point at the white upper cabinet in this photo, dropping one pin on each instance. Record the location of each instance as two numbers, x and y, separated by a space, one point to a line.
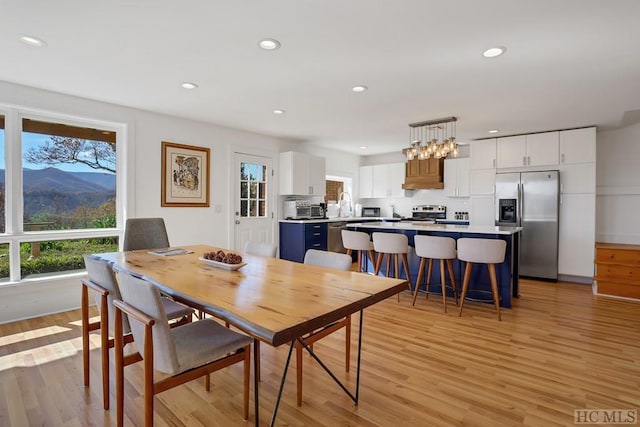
483 154
512 151
396 179
365 182
543 149
302 174
456 177
380 181
578 146
538 149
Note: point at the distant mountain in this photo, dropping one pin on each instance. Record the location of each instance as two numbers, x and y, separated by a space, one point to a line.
52 179
106 180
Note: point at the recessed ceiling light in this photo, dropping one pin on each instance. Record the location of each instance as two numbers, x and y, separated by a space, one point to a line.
269 44
494 51
189 85
359 88
494 131
278 111
363 147
32 41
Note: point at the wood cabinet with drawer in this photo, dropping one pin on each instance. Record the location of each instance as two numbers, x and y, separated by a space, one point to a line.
618 270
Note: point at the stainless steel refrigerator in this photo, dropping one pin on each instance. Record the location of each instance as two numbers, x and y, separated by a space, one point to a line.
530 200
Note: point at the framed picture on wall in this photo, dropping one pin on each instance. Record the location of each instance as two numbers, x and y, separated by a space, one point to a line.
185 175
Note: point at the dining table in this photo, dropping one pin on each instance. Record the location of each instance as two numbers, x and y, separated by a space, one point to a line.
274 301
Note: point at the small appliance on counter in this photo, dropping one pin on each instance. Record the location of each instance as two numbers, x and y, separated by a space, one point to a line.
370 212
302 209
428 213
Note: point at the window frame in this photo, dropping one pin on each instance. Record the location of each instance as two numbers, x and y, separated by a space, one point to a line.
14 233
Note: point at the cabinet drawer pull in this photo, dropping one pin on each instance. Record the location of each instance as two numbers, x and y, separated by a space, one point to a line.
316 234
316 244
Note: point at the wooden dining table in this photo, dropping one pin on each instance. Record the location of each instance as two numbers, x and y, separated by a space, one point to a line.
273 300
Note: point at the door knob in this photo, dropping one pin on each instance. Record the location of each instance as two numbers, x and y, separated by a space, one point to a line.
237 221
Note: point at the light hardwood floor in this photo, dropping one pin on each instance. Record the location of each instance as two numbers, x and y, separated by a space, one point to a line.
560 348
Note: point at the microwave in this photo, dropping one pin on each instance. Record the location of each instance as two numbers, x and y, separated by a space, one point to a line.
371 212
302 209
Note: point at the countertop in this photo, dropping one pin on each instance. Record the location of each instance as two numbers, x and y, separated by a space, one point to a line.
417 226
347 219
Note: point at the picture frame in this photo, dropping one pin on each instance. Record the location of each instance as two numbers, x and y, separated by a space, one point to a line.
185 175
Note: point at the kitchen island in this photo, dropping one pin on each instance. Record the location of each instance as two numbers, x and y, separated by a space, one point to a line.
479 288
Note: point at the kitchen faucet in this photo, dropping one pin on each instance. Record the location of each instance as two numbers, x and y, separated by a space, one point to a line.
344 203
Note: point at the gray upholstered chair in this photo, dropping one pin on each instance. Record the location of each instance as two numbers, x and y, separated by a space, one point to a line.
360 242
392 245
338 262
261 249
102 283
145 233
184 353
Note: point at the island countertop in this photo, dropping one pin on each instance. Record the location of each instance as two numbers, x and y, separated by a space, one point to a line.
455 228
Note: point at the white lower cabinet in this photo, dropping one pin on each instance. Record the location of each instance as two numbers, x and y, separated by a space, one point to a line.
577 234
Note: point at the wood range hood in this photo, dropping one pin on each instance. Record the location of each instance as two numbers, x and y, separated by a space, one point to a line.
424 174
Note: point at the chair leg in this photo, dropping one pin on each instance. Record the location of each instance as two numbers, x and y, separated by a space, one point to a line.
378 263
423 261
465 285
299 373
444 285
257 344
148 376
207 382
452 276
494 287
429 271
347 339
247 381
119 368
396 268
405 264
372 257
85 334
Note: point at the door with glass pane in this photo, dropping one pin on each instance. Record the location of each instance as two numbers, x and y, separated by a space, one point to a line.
254 193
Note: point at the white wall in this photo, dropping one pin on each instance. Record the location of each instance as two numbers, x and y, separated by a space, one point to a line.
618 185
145 132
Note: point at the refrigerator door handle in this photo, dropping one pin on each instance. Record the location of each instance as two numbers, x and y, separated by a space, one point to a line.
520 203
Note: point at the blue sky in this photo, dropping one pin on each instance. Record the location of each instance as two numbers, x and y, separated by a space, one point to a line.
30 140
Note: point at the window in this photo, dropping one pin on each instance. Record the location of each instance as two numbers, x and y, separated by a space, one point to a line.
253 190
65 175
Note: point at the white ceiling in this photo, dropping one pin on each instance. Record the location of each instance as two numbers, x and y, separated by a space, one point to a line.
569 63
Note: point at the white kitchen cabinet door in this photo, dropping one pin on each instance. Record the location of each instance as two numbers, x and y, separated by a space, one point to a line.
365 184
380 180
577 235
482 182
397 173
543 149
482 210
483 154
578 178
578 146
512 152
456 177
302 174
317 176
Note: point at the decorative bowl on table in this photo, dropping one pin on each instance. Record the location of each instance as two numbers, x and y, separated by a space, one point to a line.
220 259
222 265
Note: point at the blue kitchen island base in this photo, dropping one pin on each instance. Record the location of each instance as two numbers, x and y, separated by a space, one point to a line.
480 286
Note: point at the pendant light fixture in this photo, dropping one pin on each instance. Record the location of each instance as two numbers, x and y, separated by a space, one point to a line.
424 142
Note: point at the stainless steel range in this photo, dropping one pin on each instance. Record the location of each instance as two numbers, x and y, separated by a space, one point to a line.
428 213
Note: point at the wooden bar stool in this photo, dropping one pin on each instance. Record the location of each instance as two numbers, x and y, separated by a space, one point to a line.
392 245
443 249
481 251
358 241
